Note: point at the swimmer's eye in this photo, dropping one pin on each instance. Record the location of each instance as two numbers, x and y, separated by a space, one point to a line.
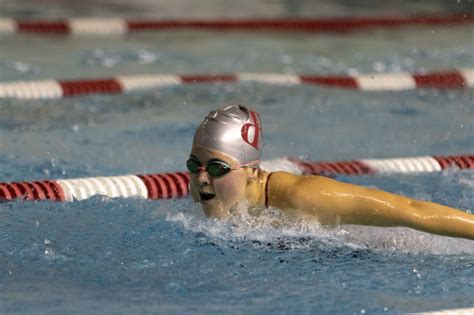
214 168
193 165
218 169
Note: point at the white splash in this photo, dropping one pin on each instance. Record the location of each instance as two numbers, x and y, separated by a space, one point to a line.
263 226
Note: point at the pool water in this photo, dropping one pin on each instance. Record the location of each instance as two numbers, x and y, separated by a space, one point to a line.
136 256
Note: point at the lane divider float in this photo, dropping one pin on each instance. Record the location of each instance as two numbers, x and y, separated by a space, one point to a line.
174 185
458 311
56 89
119 26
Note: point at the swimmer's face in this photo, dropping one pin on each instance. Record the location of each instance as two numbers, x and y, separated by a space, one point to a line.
217 194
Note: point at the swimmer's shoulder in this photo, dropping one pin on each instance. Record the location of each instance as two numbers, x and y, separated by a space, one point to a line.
283 187
282 178
285 179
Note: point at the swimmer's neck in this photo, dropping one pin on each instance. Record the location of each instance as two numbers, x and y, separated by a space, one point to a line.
255 191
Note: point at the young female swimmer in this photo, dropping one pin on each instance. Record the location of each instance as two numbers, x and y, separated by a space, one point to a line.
224 169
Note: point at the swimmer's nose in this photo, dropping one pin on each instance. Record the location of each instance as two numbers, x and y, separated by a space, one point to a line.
203 177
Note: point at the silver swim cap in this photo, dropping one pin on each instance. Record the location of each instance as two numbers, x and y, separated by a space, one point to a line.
234 130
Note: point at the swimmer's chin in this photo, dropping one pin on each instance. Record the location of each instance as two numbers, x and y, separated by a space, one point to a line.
215 211
220 212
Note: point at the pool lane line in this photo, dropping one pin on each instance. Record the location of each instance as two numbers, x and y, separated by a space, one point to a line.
458 311
57 89
120 26
175 185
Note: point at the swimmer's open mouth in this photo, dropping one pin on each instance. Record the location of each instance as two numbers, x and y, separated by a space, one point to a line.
206 196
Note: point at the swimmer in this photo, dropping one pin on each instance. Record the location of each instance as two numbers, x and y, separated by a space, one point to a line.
224 169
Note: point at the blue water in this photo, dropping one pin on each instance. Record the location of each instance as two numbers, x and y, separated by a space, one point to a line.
123 256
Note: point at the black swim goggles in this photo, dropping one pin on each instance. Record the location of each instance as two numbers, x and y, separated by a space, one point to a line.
215 168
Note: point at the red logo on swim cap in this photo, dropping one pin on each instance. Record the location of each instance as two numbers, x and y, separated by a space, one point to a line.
257 128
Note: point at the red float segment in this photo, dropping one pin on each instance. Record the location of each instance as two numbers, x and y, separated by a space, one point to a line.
346 168
44 191
208 78
341 81
356 168
14 190
150 186
171 189
440 80
5 193
59 27
168 185
32 192
104 86
52 190
181 181
25 191
460 161
39 190
336 24
223 25
163 186
309 25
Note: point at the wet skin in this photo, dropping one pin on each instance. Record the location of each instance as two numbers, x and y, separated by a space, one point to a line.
332 202
218 195
328 201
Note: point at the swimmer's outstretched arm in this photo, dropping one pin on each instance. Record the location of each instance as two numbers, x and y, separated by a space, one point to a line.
334 202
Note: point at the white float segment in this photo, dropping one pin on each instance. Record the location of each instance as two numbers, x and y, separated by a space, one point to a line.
115 190
468 76
102 188
385 82
89 186
143 82
131 186
270 78
98 26
284 165
404 165
139 186
76 189
112 186
44 89
66 187
79 188
119 187
461 311
7 26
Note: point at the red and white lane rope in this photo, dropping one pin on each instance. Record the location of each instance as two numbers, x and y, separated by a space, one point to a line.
55 89
119 26
172 185
458 311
